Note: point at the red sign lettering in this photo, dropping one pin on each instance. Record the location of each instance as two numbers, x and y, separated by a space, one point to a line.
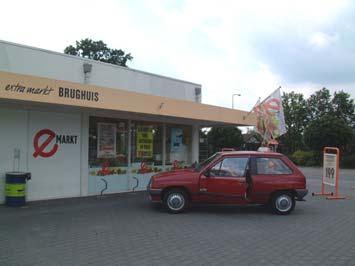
39 148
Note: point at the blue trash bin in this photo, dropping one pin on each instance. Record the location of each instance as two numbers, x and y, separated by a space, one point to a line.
15 188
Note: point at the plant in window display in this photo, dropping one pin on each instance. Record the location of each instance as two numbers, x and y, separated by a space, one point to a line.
104 169
107 170
134 171
157 169
178 165
144 168
119 171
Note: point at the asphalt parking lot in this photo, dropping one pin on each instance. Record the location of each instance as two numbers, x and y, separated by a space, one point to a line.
128 230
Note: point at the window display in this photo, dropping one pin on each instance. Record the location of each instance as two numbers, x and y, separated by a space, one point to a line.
108 161
178 146
147 152
111 171
106 140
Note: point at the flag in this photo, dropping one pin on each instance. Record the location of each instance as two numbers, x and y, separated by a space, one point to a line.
270 116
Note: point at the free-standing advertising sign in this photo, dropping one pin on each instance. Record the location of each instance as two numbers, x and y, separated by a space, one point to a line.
330 173
106 140
144 142
330 169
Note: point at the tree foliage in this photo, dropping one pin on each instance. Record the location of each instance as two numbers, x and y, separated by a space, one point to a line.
327 130
224 137
320 120
98 50
319 104
343 107
340 105
296 117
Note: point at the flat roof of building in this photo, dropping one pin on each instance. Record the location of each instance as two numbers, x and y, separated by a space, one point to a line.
91 61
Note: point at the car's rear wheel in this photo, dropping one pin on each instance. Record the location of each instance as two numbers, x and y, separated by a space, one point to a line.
175 200
283 203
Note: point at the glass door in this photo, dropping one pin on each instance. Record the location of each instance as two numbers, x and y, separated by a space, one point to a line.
108 156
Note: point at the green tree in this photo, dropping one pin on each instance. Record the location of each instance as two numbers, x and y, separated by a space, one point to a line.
320 104
328 130
296 117
224 137
98 50
343 107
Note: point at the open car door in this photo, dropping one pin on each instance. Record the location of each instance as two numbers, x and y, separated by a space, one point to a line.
225 181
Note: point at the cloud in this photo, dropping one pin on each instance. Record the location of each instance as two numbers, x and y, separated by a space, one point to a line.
321 40
317 51
248 47
255 46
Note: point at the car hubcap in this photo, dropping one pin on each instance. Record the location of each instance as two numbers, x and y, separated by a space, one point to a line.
176 201
283 203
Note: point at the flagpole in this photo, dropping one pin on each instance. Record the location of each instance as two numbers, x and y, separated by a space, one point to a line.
270 94
245 116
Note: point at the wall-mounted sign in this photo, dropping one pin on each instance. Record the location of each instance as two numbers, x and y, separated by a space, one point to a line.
69 93
106 140
64 93
18 88
46 143
144 142
78 94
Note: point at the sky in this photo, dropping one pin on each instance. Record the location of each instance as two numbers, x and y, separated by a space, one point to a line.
229 47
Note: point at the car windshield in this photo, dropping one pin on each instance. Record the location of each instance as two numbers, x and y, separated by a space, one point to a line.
199 166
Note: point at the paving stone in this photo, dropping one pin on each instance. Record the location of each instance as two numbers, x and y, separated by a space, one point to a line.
128 230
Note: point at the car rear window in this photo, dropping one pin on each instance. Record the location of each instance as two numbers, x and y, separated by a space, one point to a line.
272 166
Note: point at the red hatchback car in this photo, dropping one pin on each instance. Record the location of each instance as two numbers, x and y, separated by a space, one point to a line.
242 177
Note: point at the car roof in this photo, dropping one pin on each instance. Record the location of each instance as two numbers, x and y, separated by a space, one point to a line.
255 153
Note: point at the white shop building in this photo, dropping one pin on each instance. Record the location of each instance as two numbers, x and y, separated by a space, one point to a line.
83 127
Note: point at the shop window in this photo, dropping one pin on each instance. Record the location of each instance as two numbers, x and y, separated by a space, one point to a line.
108 139
108 151
178 146
146 148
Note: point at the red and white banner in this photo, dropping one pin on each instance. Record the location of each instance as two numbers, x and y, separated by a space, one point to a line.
270 117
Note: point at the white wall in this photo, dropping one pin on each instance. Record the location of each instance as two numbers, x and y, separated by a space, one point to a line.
37 62
57 176
66 173
13 135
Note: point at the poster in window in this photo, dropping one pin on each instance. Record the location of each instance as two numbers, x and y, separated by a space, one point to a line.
106 140
144 142
176 139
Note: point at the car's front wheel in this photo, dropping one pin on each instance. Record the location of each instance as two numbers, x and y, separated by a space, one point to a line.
283 203
176 200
